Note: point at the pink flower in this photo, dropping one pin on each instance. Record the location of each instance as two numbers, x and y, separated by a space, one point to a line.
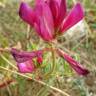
24 60
75 15
26 67
43 21
50 17
73 63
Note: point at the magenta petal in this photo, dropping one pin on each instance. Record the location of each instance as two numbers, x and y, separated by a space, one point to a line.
54 9
58 9
74 17
24 59
62 13
76 65
26 13
44 25
22 56
73 63
26 67
39 1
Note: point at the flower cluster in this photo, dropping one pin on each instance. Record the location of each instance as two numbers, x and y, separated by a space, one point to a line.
25 61
50 19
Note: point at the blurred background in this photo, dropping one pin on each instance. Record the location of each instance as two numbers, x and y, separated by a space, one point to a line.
80 40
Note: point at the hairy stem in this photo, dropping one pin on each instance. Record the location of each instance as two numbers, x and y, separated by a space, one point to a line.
53 59
53 62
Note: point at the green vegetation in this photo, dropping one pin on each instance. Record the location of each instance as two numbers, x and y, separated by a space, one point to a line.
14 32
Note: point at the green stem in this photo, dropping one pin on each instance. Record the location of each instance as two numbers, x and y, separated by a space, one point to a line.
53 59
53 63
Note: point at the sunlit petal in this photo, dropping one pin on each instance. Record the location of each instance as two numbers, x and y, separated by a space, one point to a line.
44 23
26 67
73 63
75 15
27 13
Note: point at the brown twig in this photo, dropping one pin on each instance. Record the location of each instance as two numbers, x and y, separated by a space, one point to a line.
9 49
5 49
38 81
6 83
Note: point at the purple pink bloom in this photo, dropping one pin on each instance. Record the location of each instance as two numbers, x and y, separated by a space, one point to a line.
25 61
50 17
73 63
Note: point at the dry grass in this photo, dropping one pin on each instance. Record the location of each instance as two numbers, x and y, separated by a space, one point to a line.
82 46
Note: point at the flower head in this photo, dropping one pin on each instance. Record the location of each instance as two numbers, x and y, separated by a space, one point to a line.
50 17
24 59
73 63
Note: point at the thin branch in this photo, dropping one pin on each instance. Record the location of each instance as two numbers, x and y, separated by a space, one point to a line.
8 83
5 49
5 59
8 89
38 81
